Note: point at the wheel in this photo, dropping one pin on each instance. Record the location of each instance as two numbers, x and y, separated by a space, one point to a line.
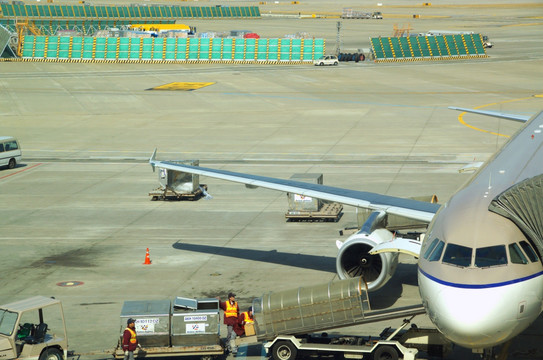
51 354
385 352
284 350
321 64
11 163
335 63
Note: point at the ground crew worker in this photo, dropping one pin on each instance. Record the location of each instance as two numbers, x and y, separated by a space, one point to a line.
231 314
247 318
130 339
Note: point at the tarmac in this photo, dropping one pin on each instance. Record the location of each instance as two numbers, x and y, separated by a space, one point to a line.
77 209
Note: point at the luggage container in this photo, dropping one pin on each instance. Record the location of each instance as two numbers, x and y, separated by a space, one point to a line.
195 322
152 321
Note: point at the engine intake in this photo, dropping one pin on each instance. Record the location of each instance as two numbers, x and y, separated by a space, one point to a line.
354 260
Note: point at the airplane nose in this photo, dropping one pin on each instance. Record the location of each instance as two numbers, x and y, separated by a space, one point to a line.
469 317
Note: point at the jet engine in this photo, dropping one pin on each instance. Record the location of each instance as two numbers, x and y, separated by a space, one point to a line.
354 259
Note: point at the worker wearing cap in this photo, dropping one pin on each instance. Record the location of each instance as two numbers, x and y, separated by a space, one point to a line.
246 318
130 339
231 314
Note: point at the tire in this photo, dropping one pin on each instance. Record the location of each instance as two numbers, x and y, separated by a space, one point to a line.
283 350
335 63
384 352
362 57
51 354
321 64
11 163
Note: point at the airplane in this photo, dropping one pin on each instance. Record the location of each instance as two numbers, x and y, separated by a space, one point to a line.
480 263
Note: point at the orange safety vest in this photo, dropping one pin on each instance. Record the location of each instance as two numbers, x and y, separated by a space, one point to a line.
231 310
132 335
247 318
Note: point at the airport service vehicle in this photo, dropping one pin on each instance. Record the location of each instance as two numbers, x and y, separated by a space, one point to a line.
33 329
10 152
288 322
326 60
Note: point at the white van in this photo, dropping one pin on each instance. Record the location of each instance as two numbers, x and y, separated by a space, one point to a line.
10 152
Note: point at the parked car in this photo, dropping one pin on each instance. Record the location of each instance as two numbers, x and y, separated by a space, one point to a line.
326 60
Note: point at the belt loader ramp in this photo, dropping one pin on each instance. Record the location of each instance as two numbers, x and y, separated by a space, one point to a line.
286 319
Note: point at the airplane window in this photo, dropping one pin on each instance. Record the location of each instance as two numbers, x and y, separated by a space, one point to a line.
430 248
458 255
436 254
529 251
490 256
516 255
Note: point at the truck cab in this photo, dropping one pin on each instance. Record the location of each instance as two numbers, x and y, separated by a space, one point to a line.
33 329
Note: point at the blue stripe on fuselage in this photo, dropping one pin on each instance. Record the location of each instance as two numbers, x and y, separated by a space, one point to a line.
479 286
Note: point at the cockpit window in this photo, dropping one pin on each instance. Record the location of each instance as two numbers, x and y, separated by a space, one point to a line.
457 255
436 254
430 248
529 251
490 256
516 255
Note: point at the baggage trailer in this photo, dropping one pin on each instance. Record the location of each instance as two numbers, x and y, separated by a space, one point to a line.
188 327
286 321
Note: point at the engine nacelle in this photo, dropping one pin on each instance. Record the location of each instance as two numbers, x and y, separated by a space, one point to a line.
354 259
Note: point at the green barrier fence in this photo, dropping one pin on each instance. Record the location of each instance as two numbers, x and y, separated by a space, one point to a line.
172 49
465 46
126 12
50 27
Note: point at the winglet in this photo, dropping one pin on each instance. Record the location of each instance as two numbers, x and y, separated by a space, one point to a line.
152 160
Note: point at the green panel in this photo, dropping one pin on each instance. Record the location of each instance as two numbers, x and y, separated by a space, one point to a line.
404 45
176 12
215 12
100 48
158 48
77 47
433 46
145 11
377 49
153 12
87 48
394 44
442 46
91 11
64 47
478 41
55 10
415 47
170 53
197 12
124 48
193 49
111 48
285 49
77 11
24 10
308 49
28 45
239 49
215 46
52 46
272 49
134 48
227 49
469 44
256 13
181 49
39 48
250 49
123 11
132 12
461 46
453 49
296 50
31 10
423 46
7 9
147 48
244 11
262 49
237 11
184 12
40 10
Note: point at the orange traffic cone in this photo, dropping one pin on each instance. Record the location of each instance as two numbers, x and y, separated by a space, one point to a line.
147 258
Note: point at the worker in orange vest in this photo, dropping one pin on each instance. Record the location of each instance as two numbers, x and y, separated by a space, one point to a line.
231 314
246 318
130 339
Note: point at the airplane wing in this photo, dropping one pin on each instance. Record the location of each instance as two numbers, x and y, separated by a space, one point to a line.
513 117
413 209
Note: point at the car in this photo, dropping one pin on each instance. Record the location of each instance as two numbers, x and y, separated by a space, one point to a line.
326 60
